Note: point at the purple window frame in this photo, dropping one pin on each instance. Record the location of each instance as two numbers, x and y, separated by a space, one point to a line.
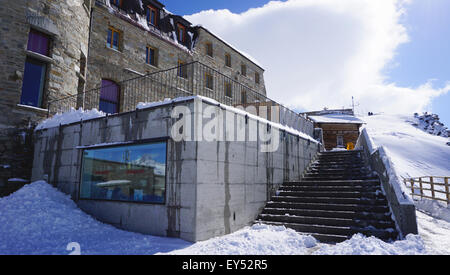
38 42
109 97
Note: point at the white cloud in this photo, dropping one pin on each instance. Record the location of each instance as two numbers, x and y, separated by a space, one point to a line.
320 53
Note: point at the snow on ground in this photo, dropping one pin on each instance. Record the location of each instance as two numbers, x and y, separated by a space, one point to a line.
256 240
38 219
414 152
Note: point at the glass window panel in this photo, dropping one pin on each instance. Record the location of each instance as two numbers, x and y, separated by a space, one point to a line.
134 173
116 40
33 83
109 39
109 97
153 17
38 42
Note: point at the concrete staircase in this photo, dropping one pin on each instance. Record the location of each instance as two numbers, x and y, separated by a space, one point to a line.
337 198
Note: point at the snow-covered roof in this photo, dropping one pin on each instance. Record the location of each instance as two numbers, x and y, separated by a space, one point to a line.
336 119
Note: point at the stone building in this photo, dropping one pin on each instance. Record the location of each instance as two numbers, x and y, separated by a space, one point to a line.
41 48
82 52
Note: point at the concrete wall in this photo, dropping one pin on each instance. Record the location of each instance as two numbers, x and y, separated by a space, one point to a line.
213 187
236 179
401 205
58 160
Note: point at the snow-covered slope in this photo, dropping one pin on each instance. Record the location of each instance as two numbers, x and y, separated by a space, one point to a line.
414 152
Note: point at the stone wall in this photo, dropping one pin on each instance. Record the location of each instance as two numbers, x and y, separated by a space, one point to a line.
125 63
217 61
67 23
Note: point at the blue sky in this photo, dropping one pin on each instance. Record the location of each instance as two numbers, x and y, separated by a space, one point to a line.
425 57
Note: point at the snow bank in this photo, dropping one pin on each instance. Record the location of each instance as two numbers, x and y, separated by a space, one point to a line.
38 219
256 240
434 209
70 117
361 245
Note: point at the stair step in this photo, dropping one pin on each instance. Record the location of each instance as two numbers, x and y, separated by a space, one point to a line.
330 200
344 231
335 177
330 194
340 152
330 214
335 188
329 221
329 206
336 169
369 182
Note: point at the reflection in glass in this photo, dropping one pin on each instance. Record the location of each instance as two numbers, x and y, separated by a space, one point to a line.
133 173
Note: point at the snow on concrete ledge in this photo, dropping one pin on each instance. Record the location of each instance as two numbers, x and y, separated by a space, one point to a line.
80 115
69 117
336 119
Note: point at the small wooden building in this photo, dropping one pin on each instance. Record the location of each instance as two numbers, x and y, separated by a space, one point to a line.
339 128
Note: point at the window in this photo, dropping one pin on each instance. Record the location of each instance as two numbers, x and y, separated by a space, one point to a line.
134 173
228 60
228 89
244 70
152 16
109 97
182 69
209 49
35 71
117 3
340 141
38 42
33 82
151 56
257 80
113 38
181 33
209 81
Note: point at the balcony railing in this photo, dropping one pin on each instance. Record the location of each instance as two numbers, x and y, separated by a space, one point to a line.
185 80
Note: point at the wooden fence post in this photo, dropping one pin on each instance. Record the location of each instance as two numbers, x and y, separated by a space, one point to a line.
421 188
447 190
412 187
432 188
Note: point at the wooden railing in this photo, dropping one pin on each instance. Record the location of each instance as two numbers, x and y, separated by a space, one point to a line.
435 188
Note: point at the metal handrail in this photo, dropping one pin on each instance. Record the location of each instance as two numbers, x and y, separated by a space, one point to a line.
156 86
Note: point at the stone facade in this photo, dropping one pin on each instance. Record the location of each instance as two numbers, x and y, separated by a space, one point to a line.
217 61
66 23
79 59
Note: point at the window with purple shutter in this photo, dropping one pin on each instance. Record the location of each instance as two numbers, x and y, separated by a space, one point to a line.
109 97
38 42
